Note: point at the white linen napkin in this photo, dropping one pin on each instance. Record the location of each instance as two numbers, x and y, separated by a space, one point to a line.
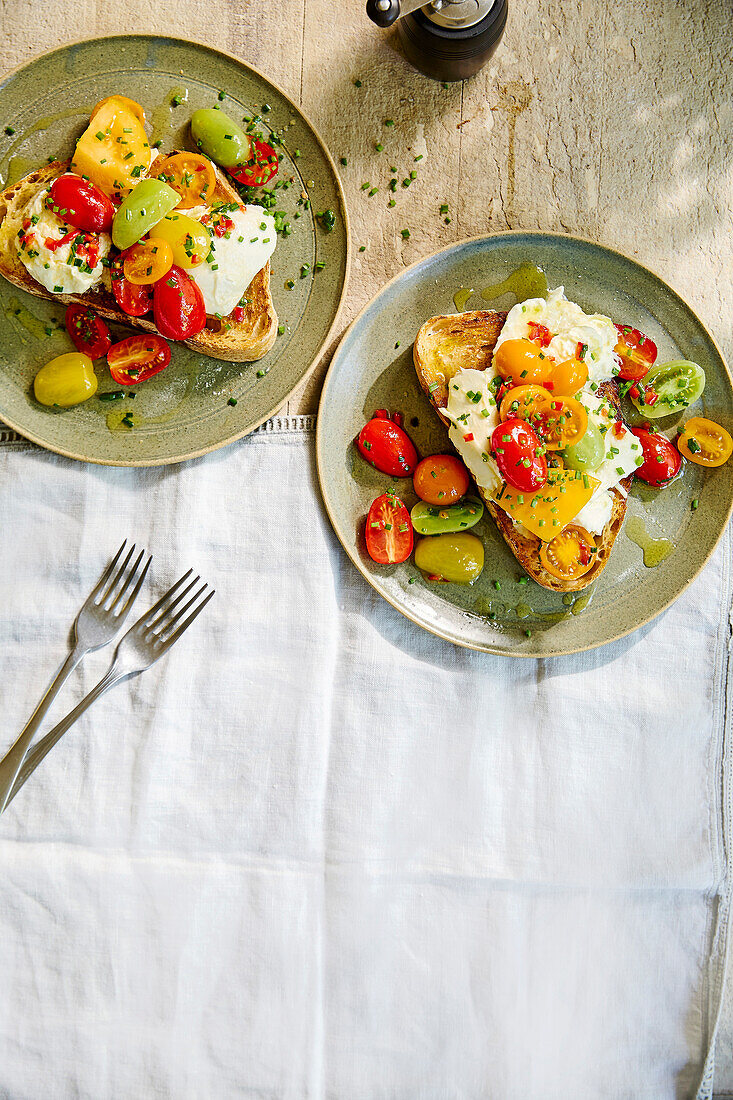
318 852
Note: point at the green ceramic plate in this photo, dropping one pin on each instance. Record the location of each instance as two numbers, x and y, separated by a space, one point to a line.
183 411
373 368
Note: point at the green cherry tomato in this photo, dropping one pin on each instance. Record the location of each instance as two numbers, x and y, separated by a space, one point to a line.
66 380
219 137
432 519
669 387
143 208
588 453
455 558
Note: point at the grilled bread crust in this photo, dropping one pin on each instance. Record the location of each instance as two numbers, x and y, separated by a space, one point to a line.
446 345
242 342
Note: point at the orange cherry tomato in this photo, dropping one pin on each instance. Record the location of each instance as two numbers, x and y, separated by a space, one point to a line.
525 402
705 442
569 376
565 422
521 361
440 479
570 554
122 101
190 174
147 261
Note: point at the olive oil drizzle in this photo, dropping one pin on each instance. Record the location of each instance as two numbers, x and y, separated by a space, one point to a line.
655 551
13 167
526 281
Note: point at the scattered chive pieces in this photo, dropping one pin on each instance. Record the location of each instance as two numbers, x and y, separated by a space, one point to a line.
344 161
379 147
695 504
405 234
280 329
177 99
362 248
357 84
261 373
222 95
389 122
9 131
497 585
391 203
232 400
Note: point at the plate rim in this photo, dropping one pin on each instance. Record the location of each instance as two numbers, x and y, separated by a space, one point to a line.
532 653
258 422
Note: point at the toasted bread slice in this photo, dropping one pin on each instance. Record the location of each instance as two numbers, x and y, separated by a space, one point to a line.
237 341
446 345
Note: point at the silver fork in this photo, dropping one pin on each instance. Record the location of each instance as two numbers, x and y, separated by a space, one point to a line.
98 621
142 645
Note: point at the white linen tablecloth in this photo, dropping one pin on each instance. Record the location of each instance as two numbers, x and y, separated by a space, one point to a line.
318 852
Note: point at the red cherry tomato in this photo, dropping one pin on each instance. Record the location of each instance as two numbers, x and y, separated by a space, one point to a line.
387 447
259 169
441 479
89 334
389 530
519 455
636 352
81 204
137 358
662 460
178 306
132 299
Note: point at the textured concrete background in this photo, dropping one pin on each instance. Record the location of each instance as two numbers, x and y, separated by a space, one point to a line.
613 122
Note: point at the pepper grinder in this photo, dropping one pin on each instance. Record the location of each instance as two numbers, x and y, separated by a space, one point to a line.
445 39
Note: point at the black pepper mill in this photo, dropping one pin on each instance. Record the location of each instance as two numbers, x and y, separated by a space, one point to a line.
445 39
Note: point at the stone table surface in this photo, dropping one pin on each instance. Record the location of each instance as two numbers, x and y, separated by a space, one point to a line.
612 122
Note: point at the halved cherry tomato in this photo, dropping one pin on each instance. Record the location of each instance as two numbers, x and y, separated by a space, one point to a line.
147 261
134 300
662 461
137 358
80 204
178 306
190 174
89 334
525 402
563 424
441 479
519 455
521 361
260 169
122 101
389 536
636 352
569 376
387 447
570 554
705 442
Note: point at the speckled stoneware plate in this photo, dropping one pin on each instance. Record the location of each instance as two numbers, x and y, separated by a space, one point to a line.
373 368
183 411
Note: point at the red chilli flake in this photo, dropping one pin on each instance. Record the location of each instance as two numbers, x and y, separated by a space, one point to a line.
468 438
539 334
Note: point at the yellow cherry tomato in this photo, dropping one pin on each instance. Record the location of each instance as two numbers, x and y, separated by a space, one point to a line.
563 424
66 380
189 240
147 261
521 361
705 442
190 174
114 151
525 402
568 377
570 554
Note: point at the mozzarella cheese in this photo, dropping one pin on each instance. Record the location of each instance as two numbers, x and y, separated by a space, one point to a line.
570 326
622 452
55 269
472 411
235 258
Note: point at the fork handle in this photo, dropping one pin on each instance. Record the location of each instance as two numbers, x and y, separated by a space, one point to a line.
44 746
12 762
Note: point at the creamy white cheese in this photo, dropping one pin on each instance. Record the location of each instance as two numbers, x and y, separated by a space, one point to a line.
473 411
570 326
235 259
55 268
622 451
